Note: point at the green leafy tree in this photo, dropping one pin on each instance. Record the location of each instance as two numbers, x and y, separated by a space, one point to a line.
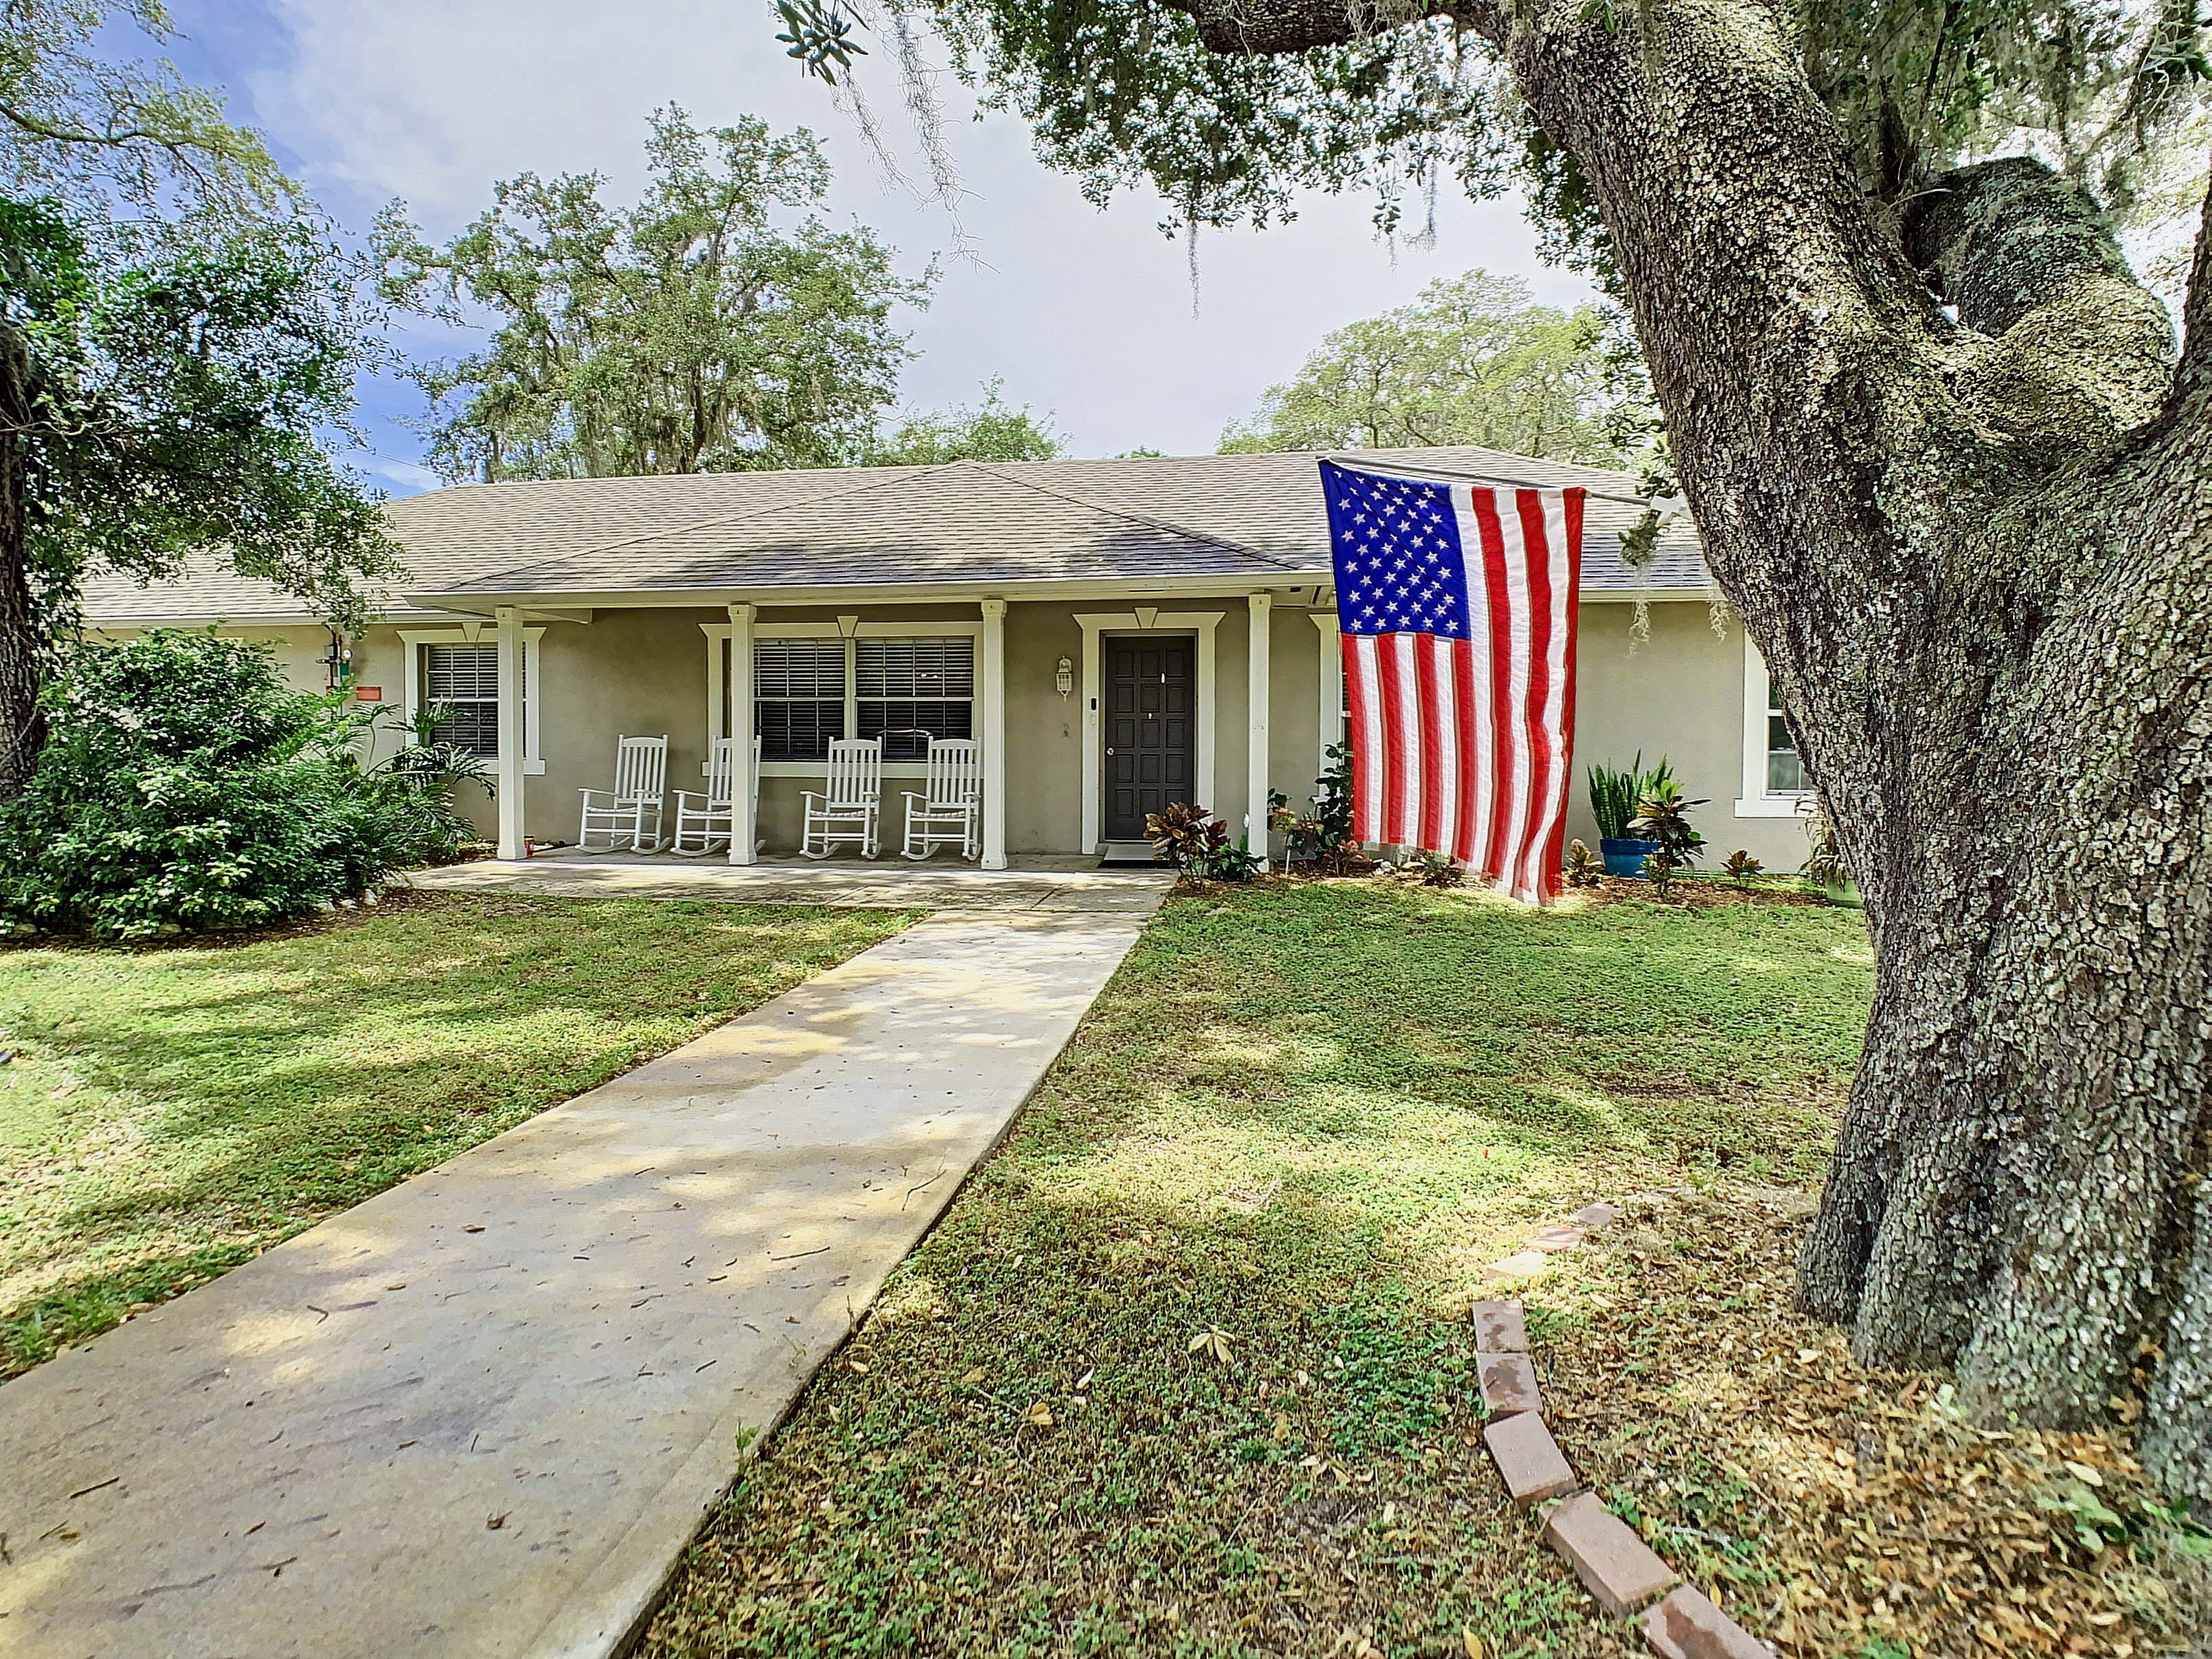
82 128
1953 469
177 346
688 333
1471 361
992 430
166 389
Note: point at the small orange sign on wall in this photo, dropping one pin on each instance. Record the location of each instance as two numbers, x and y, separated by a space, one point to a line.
368 694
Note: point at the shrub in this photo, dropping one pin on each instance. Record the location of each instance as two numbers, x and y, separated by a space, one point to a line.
1441 870
1197 843
1825 865
1185 835
1585 868
1663 816
184 788
1332 802
1740 867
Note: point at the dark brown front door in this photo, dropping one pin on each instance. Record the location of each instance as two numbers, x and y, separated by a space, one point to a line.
1151 742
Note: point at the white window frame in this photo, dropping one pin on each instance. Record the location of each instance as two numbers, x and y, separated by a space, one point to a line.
534 680
1331 724
1757 800
848 629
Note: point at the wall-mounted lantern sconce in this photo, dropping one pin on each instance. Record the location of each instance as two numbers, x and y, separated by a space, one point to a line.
1063 678
337 661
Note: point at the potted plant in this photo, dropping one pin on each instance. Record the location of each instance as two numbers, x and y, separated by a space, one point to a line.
1824 868
1614 797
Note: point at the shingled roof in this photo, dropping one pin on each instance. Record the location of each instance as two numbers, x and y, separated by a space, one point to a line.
963 524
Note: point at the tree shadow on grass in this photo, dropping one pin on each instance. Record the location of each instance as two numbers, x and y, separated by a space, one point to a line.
1303 1121
271 1082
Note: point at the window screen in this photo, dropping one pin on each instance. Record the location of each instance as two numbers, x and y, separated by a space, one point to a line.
1785 772
911 690
799 697
464 680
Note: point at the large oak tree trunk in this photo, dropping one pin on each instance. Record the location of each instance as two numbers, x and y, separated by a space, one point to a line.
22 724
1975 546
1977 556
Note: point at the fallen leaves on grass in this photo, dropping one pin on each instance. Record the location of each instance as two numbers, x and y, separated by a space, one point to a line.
1214 1342
1838 1511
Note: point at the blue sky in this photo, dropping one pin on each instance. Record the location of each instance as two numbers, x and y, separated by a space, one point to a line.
1084 314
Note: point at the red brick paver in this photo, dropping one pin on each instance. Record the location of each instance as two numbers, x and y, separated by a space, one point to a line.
1500 1327
1685 1625
1528 1460
1509 1383
1615 1564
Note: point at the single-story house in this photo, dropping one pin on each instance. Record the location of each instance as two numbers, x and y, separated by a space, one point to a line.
1116 633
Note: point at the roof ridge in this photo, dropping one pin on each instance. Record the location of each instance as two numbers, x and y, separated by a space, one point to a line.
1168 524
691 524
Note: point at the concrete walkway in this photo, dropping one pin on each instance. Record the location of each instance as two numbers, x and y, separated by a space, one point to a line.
484 1413
1039 884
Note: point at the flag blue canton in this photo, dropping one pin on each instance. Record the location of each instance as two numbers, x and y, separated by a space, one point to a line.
1400 567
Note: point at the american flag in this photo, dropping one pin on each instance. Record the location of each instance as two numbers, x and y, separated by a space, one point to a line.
1456 602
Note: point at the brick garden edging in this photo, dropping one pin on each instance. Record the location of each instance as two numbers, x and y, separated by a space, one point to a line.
1620 1572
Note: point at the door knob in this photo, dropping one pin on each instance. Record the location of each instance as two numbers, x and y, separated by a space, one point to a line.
1109 750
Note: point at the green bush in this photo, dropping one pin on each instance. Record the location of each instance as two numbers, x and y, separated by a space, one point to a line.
185 787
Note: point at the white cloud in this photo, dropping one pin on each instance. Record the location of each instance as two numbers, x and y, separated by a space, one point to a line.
1086 314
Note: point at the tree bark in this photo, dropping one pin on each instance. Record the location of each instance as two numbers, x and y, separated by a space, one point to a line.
1977 555
23 721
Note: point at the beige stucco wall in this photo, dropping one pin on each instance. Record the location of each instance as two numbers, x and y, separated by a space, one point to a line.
1680 692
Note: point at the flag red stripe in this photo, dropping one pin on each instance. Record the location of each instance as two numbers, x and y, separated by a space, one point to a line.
1394 745
1470 754
1535 544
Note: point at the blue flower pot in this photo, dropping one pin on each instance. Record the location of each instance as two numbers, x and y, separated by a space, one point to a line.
1626 858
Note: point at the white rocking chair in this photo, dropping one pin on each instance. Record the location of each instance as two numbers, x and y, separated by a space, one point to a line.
845 810
949 810
703 822
620 814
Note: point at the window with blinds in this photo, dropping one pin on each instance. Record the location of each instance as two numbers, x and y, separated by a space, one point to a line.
908 691
462 680
799 697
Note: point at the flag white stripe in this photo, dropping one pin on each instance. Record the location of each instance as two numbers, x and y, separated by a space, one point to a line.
1369 704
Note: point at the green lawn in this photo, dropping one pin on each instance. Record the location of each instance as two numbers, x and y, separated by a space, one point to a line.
1304 1118
173 1111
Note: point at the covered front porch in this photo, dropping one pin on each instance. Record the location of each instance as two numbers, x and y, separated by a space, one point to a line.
1088 709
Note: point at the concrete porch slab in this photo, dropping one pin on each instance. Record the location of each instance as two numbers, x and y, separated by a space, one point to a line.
1044 884
482 1414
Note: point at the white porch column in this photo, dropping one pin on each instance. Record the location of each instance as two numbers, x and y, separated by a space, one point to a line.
1255 781
993 734
513 732
745 773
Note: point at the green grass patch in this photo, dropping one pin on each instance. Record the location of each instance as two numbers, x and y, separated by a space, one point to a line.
174 1111
1186 1370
